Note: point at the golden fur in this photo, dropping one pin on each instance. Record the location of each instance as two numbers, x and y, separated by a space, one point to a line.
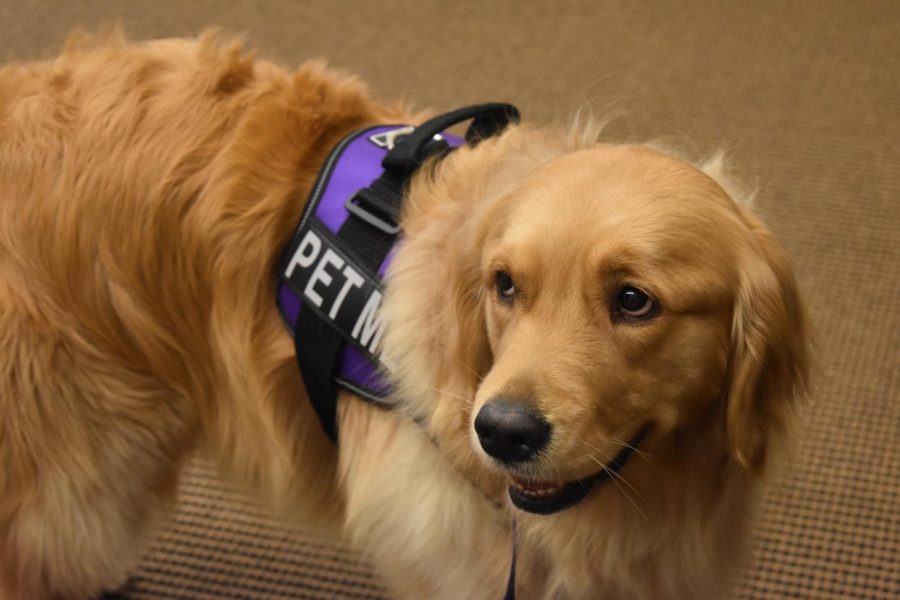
146 192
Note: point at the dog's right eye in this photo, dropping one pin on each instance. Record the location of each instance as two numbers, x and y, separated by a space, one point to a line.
506 289
634 304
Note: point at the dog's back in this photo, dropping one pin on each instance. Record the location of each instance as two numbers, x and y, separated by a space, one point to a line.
145 192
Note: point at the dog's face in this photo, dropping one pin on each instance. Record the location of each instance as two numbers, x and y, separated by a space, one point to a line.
557 302
619 290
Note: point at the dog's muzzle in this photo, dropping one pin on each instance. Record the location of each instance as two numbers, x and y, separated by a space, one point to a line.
545 498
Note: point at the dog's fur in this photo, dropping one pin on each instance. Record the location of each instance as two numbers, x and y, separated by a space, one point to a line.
146 192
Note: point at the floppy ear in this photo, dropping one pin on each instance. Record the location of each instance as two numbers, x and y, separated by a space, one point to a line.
501 166
769 365
471 343
471 346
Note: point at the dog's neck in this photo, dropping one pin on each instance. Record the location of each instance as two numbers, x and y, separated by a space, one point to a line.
243 219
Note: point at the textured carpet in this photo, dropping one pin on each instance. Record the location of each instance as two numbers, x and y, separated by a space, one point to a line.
806 97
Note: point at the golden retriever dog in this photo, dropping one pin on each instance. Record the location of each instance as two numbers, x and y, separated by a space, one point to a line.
553 301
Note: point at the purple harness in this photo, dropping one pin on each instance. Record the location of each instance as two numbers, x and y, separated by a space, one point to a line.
321 276
329 283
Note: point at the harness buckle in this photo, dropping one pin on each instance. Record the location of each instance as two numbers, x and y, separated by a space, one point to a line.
374 210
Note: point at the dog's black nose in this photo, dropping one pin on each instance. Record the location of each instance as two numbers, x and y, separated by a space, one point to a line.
510 432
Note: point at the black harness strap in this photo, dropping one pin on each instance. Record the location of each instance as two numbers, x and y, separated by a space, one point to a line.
317 366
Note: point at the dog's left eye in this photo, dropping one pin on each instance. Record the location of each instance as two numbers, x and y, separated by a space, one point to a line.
506 289
632 303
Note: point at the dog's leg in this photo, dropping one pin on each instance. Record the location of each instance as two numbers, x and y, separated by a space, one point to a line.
81 523
89 451
430 532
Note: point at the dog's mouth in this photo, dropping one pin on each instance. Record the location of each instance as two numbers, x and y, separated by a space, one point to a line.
548 497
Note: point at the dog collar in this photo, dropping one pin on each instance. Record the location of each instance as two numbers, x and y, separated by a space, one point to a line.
330 280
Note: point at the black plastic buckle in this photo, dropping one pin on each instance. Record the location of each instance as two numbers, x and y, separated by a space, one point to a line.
371 208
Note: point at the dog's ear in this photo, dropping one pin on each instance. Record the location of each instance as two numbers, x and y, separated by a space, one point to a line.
471 343
769 359
488 173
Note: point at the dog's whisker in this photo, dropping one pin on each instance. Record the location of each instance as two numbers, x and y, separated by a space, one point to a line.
624 493
612 477
470 369
622 477
467 401
613 473
633 448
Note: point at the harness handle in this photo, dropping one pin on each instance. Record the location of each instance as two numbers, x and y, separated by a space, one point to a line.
410 151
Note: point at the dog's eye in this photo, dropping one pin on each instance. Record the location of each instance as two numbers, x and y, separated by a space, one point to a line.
506 289
632 303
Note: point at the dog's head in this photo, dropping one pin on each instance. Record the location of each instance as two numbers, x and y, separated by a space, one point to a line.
599 296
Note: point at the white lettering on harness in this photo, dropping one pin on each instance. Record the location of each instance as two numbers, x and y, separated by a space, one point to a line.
369 324
326 266
310 242
353 279
320 274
